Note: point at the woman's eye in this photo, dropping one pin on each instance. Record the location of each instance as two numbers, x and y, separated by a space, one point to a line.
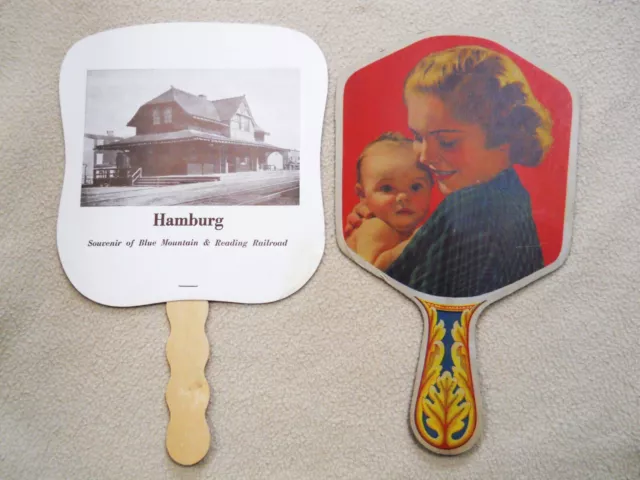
447 144
386 188
416 187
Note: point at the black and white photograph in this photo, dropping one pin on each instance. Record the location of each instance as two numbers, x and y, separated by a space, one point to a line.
191 137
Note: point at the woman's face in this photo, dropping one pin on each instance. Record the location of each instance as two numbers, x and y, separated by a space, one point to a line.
455 152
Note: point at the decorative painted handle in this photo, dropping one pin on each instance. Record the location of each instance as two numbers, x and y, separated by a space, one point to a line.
444 409
188 436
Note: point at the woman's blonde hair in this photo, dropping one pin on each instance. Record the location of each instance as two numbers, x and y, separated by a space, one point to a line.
485 87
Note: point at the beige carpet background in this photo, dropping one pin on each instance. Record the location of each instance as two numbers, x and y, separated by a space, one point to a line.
318 386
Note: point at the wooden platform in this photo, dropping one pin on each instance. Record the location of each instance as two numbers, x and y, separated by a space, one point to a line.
245 188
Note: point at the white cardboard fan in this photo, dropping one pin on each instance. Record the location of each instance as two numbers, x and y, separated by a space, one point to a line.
192 174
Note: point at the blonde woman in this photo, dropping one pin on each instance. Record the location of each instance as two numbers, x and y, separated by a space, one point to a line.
473 117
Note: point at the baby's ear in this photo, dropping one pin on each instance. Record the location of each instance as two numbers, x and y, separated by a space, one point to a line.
359 190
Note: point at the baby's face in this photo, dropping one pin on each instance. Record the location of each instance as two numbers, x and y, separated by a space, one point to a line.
395 189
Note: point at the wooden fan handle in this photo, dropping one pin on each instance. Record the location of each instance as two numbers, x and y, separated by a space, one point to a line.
188 436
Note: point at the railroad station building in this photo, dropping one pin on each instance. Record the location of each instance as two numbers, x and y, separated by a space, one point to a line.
182 134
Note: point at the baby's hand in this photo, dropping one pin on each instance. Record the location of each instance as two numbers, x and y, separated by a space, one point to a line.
354 219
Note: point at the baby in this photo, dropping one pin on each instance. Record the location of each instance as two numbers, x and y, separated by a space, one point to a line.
396 189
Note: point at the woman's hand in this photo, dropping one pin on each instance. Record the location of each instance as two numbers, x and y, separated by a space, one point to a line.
359 213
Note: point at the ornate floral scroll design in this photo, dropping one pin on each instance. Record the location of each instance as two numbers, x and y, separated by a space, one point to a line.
462 374
446 409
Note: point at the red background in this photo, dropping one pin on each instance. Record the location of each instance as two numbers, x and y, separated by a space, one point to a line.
373 104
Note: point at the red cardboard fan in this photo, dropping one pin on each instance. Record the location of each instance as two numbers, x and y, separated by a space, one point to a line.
455 185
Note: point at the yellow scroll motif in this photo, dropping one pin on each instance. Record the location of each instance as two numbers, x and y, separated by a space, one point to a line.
462 373
446 399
